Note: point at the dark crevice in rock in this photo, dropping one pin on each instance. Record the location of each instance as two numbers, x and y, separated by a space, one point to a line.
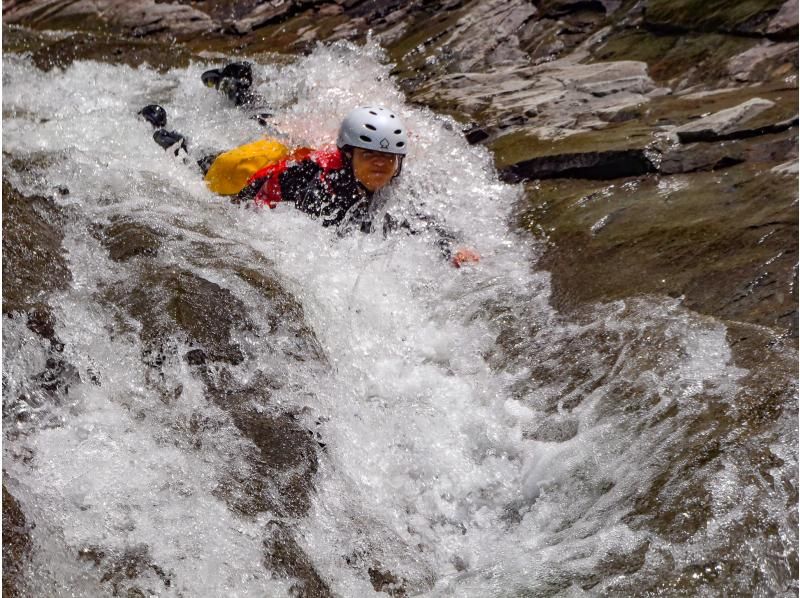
589 165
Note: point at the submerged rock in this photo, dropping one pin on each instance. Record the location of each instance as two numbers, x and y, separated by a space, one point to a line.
126 239
16 545
285 558
34 265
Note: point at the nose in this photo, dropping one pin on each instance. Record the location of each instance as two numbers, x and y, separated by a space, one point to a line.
381 157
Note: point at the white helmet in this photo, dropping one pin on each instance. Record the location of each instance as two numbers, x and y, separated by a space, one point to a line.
377 129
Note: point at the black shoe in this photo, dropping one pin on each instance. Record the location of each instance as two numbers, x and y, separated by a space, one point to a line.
211 78
234 80
242 71
155 115
168 139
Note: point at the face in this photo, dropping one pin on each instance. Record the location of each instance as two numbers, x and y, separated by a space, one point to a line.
374 170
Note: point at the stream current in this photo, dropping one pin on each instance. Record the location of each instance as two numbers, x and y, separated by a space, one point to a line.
469 440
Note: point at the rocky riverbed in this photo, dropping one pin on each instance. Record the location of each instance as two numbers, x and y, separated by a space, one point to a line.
655 144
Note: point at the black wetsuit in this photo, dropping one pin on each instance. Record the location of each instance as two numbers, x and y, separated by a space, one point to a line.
324 187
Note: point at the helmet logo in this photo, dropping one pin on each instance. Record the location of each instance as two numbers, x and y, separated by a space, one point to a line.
384 143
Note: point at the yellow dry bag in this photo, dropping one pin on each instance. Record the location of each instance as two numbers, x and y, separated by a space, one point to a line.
229 173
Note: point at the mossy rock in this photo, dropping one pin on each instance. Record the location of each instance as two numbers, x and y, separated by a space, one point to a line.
644 122
523 145
743 16
695 58
725 242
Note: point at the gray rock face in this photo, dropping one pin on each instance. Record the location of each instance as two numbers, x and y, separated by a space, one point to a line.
723 123
785 22
487 34
551 100
747 65
140 17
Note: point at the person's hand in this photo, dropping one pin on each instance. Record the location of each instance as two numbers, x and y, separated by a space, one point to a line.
465 256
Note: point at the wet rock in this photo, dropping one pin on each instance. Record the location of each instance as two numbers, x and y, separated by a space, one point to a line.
42 322
731 123
286 458
166 300
34 265
704 156
564 97
784 23
121 569
552 430
125 238
386 582
725 241
742 18
285 557
766 57
141 17
475 134
107 48
285 314
261 15
16 545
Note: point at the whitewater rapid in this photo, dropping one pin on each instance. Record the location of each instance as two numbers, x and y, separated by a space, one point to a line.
428 400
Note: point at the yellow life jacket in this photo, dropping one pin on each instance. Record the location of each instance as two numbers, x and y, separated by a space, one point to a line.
230 171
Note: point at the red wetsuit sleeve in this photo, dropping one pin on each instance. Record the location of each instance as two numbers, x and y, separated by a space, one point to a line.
270 193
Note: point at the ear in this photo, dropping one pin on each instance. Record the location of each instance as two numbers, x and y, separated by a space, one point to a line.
399 168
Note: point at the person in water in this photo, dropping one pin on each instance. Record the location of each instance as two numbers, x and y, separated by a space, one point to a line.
337 185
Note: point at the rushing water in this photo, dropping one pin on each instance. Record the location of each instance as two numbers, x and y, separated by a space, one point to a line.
472 442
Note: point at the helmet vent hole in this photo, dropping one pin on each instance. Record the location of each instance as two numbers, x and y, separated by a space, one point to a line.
400 143
371 128
372 112
391 116
365 138
398 131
